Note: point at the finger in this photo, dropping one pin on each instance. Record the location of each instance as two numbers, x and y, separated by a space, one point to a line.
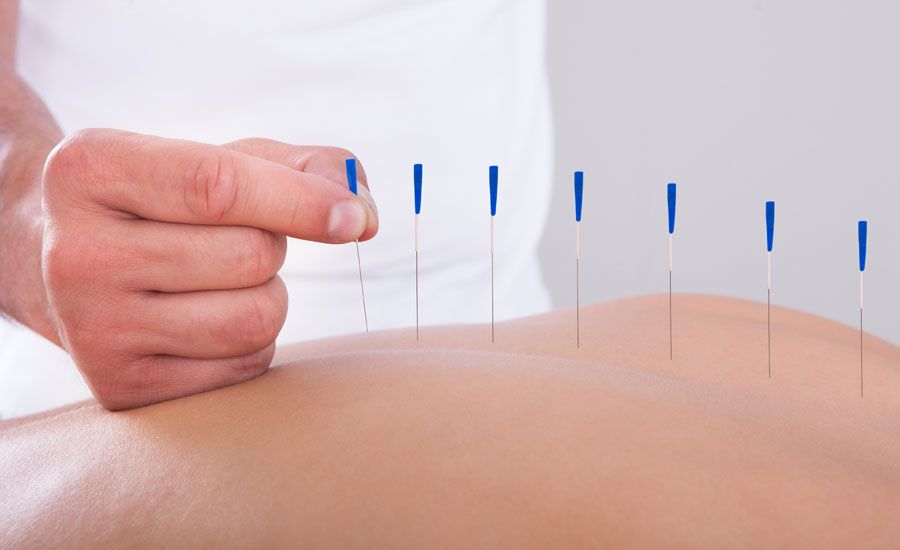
212 324
185 182
328 162
169 257
156 378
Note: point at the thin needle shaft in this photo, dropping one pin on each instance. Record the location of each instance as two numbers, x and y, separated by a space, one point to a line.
417 276
860 333
770 241
579 196
352 185
362 289
417 207
671 191
493 179
863 236
671 352
769 311
578 284
492 279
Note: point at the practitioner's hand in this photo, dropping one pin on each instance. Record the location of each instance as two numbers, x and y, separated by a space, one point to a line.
160 256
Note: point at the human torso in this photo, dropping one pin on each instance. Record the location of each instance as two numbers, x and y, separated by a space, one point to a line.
452 441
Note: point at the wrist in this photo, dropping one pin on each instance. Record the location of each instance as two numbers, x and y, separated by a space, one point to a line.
22 155
22 293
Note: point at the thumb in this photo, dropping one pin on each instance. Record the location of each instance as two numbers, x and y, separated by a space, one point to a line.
327 162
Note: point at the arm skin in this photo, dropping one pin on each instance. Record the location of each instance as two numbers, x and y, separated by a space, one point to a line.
27 135
377 441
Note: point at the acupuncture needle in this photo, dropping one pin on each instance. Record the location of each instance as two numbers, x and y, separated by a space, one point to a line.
863 232
493 177
417 192
351 182
579 189
770 238
671 189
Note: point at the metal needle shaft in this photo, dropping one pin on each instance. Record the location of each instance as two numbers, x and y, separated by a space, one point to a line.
671 190
352 185
492 279
417 207
417 276
671 351
578 284
860 333
863 232
579 196
493 179
362 289
769 312
770 242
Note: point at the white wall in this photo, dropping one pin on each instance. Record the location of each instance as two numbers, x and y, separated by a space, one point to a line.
738 102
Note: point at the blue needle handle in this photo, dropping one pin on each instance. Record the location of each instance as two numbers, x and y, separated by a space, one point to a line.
671 197
351 175
579 190
770 225
863 235
494 176
417 186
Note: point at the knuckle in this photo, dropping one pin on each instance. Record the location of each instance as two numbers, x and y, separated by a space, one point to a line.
247 145
262 321
83 158
334 158
263 324
95 323
114 390
252 143
261 256
128 386
338 153
70 158
64 261
254 364
112 379
249 327
212 190
78 258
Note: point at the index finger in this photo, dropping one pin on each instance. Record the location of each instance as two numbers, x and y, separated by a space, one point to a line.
186 182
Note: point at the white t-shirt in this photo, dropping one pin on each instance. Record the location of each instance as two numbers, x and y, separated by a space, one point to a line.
455 85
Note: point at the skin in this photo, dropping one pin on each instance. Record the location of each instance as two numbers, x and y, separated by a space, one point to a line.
153 261
376 440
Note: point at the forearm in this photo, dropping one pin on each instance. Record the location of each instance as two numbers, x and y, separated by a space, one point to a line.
27 134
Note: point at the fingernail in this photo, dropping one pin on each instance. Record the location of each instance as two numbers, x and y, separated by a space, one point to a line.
366 196
346 221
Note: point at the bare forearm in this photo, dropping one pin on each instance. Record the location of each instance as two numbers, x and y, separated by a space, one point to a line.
27 134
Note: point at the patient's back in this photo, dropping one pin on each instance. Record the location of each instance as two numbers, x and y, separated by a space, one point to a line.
379 441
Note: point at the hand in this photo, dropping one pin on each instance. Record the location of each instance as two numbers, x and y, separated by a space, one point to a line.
160 257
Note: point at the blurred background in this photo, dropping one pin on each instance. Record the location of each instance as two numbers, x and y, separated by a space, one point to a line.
738 102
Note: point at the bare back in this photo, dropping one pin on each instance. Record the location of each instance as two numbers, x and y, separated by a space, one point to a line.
381 441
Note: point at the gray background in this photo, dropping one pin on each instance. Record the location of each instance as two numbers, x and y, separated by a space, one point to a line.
738 102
